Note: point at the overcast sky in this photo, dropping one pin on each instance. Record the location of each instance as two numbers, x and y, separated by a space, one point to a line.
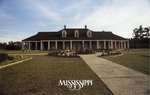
20 19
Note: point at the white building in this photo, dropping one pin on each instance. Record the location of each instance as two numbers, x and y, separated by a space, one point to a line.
75 38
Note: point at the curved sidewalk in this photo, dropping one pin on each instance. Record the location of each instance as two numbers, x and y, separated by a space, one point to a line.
119 79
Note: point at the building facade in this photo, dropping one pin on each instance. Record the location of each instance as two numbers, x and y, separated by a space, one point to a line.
75 38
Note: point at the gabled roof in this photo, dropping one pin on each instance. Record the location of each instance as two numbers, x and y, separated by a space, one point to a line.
97 35
107 35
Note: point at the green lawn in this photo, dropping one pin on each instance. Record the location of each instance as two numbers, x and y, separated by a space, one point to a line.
134 59
40 76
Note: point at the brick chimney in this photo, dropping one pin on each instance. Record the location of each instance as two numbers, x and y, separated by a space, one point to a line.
64 26
85 26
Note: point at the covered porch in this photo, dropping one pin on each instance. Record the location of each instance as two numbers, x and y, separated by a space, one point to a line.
75 44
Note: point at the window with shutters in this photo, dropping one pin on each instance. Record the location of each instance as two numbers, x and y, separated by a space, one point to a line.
64 33
89 33
76 33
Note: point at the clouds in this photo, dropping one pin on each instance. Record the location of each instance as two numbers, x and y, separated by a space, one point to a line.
31 16
8 35
76 6
6 16
47 12
43 14
120 17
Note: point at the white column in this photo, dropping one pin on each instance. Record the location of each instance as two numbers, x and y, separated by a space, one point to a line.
90 45
41 45
97 44
63 44
125 44
70 45
25 46
104 44
111 44
121 44
115 44
128 44
55 44
82 44
29 46
22 45
48 45
100 45
35 45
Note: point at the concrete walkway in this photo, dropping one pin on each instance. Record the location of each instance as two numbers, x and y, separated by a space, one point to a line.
119 79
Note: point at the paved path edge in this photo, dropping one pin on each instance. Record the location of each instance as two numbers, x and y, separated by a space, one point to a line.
7 65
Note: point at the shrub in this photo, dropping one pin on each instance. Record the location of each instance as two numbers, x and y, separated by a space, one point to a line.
73 55
110 53
118 52
54 53
62 54
4 57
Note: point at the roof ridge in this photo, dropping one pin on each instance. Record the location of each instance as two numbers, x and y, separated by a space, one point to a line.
102 31
76 28
48 32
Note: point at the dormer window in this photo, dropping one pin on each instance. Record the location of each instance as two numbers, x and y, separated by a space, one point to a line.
76 33
89 33
64 33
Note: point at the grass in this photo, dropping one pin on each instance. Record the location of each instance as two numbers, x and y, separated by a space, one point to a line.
22 52
137 59
42 74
